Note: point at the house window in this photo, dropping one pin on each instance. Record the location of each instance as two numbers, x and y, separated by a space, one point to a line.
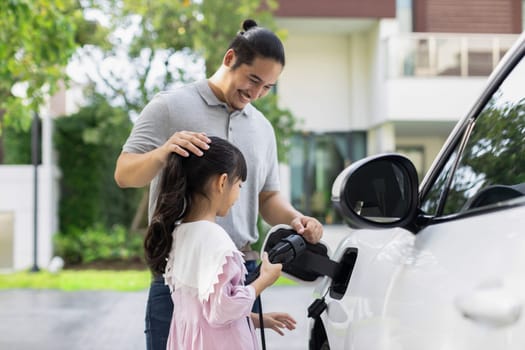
315 161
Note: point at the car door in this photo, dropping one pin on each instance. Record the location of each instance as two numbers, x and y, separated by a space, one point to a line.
455 278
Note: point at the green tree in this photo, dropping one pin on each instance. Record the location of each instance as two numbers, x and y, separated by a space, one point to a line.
88 143
37 39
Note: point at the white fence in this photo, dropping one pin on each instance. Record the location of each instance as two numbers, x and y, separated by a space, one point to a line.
17 215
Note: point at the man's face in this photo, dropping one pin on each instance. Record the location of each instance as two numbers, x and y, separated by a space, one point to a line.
247 83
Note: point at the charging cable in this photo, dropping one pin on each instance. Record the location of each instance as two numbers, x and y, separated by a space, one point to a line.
284 252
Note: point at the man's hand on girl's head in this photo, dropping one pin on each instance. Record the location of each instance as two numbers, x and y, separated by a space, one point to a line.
184 142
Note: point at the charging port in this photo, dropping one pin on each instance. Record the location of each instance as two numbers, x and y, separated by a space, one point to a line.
344 272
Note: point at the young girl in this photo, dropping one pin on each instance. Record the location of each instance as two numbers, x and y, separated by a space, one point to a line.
200 263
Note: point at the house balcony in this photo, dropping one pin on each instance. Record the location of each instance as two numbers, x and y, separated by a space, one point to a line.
437 77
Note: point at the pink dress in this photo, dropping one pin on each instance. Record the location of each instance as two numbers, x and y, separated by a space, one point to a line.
205 272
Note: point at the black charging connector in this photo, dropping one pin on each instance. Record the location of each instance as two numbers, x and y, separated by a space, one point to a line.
284 252
287 249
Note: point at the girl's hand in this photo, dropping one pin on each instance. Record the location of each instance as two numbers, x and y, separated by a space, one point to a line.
276 321
269 272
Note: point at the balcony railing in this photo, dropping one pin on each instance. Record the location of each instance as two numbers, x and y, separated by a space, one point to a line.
441 55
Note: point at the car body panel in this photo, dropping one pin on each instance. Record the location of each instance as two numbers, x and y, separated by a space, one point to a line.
400 279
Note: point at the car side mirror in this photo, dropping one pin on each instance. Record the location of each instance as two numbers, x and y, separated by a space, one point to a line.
378 191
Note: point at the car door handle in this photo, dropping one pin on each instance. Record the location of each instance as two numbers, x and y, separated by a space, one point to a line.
490 306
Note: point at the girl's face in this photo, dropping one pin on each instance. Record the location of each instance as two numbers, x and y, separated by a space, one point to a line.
230 196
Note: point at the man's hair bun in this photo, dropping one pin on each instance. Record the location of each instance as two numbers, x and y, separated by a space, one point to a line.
248 24
253 41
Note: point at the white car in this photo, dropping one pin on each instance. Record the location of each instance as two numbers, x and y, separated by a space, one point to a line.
439 265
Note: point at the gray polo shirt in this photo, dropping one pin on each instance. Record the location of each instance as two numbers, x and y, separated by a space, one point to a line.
194 107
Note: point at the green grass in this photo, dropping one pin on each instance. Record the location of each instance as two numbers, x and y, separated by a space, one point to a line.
74 280
283 281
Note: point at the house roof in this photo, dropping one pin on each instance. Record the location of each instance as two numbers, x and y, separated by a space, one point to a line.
337 8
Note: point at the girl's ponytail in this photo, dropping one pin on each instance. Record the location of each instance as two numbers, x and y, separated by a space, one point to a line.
170 207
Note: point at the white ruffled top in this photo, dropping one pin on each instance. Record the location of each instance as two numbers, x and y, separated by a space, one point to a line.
197 257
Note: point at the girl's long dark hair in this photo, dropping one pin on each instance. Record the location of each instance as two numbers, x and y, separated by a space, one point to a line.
181 179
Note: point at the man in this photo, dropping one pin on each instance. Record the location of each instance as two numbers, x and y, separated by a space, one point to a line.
179 121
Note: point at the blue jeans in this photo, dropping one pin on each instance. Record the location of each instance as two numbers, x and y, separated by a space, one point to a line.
159 310
251 265
158 315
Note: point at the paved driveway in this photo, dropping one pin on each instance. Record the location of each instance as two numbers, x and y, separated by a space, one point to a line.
49 319
54 320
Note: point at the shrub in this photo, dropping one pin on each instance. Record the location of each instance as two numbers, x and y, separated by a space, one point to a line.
88 144
78 246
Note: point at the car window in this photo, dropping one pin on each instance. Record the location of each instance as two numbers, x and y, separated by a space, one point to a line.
431 203
492 165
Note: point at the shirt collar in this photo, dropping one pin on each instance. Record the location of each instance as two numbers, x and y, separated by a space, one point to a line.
209 97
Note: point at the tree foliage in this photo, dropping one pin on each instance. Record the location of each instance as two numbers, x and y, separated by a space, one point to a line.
282 119
37 37
165 30
88 144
